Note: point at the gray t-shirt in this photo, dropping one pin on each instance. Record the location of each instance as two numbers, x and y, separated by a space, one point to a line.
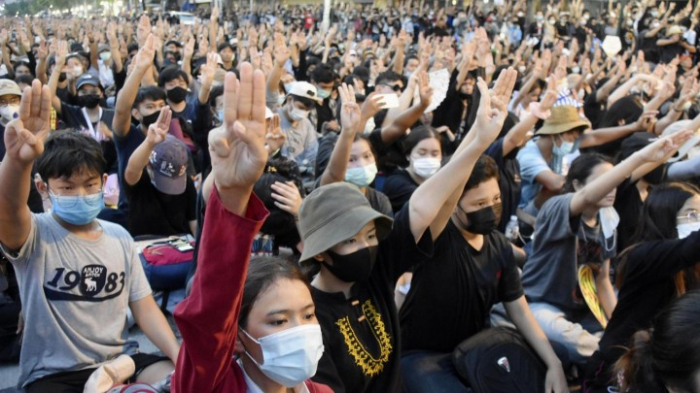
75 293
302 141
561 244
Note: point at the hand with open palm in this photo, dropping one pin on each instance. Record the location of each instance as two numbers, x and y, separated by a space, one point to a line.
237 147
159 130
25 136
492 110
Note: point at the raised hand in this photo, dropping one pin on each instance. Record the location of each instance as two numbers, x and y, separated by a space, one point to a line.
238 146
209 69
189 48
424 89
646 121
61 53
287 197
372 105
159 130
25 136
143 30
282 52
144 58
665 146
350 113
493 105
275 138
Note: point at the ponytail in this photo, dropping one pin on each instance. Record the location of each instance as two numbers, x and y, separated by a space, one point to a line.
634 368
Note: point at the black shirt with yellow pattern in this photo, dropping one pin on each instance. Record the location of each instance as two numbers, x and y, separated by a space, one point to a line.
361 333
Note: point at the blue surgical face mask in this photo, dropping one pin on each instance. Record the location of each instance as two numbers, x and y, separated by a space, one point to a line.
220 115
288 87
361 176
564 149
323 94
77 210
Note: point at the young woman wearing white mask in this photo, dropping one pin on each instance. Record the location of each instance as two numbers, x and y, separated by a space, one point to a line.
266 318
352 159
424 155
660 266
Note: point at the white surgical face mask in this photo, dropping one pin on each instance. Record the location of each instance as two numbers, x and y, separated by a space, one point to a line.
291 356
684 230
425 166
361 176
77 71
105 56
521 69
9 113
609 220
297 114
370 125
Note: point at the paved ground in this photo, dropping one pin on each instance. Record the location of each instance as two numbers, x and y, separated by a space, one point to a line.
9 373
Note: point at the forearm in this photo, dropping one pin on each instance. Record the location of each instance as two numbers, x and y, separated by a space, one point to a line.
404 101
41 70
338 164
605 135
15 218
125 99
518 134
621 91
273 80
53 86
204 92
672 116
519 312
597 189
138 161
153 323
187 65
606 293
604 92
398 127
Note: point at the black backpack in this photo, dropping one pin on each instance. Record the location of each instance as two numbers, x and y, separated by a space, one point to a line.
498 360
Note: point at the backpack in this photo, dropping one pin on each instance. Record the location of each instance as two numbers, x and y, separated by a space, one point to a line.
166 262
498 360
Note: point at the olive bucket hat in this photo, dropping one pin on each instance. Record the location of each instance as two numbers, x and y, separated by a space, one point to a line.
334 213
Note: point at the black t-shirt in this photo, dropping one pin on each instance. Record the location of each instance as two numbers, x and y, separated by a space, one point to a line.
73 117
648 288
389 157
669 52
153 213
452 294
325 149
508 180
364 356
2 142
593 109
399 187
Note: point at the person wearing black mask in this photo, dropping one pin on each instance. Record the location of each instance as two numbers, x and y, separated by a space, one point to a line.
143 105
472 269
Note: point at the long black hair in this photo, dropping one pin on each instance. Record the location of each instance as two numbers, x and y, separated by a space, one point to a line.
581 168
668 354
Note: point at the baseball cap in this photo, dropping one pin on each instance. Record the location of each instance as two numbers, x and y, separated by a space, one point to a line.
9 87
87 79
563 119
169 166
675 29
304 89
334 213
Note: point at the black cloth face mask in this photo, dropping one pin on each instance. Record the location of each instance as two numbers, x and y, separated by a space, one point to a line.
150 119
90 101
482 221
177 95
353 267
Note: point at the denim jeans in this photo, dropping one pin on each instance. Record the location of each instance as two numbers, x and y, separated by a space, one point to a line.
426 371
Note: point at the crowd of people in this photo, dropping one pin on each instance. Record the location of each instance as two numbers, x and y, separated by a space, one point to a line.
371 201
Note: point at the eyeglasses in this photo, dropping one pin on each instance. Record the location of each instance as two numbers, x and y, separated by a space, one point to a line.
11 101
692 217
395 88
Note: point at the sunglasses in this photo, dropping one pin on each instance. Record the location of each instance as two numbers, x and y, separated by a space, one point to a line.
395 88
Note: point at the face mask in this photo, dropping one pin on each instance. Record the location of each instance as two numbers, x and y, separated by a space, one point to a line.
425 167
220 115
655 25
551 21
408 74
62 77
564 149
177 95
654 14
77 71
77 210
90 101
684 230
353 267
297 114
105 56
288 87
9 113
576 70
150 119
370 125
609 220
323 94
482 221
362 176
521 69
280 100
291 356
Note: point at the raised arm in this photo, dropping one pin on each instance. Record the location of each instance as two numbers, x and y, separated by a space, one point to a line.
282 54
591 194
397 128
208 318
605 135
61 51
434 201
143 61
207 71
114 48
24 141
139 158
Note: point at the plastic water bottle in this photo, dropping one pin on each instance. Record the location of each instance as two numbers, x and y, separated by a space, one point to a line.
512 229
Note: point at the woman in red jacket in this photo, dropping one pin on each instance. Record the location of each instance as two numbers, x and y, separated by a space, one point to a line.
265 315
